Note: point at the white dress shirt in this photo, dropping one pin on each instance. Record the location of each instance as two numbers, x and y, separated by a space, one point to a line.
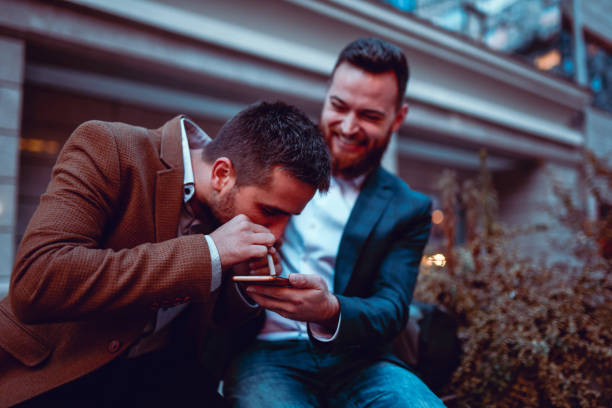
310 246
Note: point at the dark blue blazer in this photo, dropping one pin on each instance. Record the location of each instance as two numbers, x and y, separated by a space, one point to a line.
375 273
378 260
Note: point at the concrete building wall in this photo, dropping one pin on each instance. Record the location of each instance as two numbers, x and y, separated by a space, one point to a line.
599 141
599 132
532 188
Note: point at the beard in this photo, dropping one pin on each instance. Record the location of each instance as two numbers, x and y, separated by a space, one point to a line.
224 208
351 167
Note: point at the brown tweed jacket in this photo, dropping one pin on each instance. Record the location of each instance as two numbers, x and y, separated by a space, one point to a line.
99 257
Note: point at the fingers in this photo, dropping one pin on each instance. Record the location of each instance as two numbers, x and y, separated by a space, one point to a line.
263 238
253 233
261 266
280 305
254 251
285 295
259 271
307 281
239 239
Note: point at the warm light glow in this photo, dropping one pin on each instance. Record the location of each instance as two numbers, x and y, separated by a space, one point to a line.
435 260
549 60
437 216
50 147
439 260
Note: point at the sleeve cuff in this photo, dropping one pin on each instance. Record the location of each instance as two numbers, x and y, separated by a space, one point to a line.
215 261
323 335
246 299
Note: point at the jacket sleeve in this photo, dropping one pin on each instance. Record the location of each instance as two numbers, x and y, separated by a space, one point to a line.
375 319
62 272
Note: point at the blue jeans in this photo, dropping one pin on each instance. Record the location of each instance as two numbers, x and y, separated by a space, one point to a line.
294 374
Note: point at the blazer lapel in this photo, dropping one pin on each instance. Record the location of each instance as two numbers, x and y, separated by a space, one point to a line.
373 198
169 186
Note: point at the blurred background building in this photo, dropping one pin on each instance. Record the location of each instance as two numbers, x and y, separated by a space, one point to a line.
528 80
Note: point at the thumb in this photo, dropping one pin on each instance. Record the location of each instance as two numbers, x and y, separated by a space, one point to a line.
304 281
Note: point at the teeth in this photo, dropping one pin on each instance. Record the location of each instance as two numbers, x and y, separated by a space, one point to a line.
348 141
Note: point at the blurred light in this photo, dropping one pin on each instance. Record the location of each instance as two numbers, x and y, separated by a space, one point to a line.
436 259
437 216
549 60
1 208
51 147
36 145
596 84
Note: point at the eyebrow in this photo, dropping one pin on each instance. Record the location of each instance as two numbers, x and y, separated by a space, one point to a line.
362 111
337 99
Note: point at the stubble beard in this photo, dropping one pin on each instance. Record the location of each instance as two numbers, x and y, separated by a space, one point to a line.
224 208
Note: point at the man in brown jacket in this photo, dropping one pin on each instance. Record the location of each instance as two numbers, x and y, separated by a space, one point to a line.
117 273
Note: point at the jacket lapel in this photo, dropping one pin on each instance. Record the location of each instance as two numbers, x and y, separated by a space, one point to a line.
169 186
373 198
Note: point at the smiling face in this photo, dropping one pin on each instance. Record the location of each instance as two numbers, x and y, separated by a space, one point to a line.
358 117
269 205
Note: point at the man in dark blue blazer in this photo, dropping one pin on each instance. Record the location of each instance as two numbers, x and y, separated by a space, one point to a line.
352 257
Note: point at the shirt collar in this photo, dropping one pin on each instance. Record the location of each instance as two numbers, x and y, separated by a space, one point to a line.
191 136
354 183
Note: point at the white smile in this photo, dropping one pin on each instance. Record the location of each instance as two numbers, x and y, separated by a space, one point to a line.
345 140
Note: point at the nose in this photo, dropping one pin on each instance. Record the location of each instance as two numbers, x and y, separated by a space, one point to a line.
349 124
278 228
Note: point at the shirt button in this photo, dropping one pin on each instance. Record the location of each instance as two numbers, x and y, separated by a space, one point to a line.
114 346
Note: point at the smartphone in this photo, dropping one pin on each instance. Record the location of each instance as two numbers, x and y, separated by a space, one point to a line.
262 280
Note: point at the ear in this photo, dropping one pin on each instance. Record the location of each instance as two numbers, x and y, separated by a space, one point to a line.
399 117
222 175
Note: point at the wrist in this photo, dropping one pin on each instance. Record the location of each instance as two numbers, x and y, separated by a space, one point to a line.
331 320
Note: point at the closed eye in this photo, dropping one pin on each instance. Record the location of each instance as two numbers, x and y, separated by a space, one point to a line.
267 211
339 107
373 116
338 104
272 211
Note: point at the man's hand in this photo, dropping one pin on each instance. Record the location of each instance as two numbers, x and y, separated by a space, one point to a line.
308 300
260 266
239 239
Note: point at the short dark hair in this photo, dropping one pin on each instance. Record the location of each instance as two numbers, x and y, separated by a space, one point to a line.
377 56
266 135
